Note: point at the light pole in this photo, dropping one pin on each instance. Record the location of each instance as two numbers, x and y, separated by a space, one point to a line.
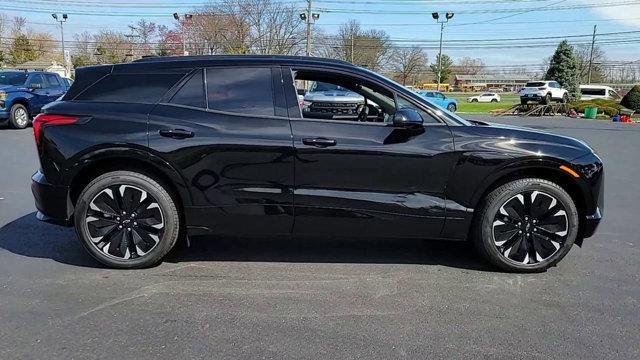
185 17
64 54
309 17
448 16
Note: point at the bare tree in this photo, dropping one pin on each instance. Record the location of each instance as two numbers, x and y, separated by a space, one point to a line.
146 32
469 66
275 27
408 63
369 48
111 47
19 25
583 54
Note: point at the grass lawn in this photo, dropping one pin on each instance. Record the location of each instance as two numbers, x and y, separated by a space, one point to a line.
508 100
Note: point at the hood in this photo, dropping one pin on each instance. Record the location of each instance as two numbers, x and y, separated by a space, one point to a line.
8 88
334 96
519 140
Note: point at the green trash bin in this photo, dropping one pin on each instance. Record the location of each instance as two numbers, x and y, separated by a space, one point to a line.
590 112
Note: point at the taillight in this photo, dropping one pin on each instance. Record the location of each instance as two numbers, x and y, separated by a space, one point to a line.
43 120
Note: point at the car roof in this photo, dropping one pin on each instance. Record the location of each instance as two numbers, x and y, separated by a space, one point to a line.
212 60
595 87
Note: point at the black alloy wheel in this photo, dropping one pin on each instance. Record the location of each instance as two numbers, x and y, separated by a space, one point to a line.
530 227
126 220
526 225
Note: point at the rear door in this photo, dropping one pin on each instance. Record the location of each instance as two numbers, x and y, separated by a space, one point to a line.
369 178
226 131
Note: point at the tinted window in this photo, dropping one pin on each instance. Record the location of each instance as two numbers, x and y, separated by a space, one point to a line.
12 78
191 93
131 88
593 92
240 90
535 84
52 80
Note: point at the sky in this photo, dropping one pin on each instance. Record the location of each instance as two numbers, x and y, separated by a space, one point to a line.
478 28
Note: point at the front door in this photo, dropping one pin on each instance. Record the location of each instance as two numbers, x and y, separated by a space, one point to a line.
39 92
363 176
231 142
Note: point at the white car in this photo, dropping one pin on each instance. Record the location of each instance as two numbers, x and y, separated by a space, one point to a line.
543 92
485 97
590 92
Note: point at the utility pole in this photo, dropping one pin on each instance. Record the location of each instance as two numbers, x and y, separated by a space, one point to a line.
436 17
593 43
64 53
352 47
309 18
182 27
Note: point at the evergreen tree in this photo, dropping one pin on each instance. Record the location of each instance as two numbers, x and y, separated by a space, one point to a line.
632 99
564 68
445 71
21 50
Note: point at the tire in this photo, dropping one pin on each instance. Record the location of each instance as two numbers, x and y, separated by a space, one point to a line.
540 240
565 98
19 116
452 107
494 100
523 102
546 100
102 232
474 100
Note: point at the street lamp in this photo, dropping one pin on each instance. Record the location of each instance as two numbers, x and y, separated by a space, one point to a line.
185 17
64 53
448 16
309 18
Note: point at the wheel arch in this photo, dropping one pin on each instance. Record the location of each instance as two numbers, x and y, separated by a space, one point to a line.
136 160
550 171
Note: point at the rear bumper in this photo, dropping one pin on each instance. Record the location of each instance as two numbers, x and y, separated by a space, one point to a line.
52 201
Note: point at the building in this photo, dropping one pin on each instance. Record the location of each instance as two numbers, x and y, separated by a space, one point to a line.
483 82
43 65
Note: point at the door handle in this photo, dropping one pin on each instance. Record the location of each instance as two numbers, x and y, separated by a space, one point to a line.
176 133
319 142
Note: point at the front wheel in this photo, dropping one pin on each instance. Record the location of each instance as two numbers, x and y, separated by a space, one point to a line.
19 116
452 107
126 220
526 225
494 100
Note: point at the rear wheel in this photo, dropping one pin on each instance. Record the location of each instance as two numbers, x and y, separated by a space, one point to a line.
494 100
526 225
546 99
126 220
452 107
474 100
19 116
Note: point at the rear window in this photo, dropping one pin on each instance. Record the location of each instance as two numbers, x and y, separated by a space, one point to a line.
240 90
535 84
130 88
593 92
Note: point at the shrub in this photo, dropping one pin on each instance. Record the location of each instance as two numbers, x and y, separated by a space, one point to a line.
608 107
632 99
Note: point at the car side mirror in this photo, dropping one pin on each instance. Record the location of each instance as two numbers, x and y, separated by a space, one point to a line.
407 118
35 86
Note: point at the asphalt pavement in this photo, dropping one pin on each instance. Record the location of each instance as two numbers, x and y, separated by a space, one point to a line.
322 298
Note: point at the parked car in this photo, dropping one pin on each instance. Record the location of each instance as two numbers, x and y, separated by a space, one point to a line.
590 92
138 156
439 99
484 97
331 101
543 92
23 94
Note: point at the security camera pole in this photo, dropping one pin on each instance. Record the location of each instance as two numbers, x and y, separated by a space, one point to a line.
436 17
308 17
64 54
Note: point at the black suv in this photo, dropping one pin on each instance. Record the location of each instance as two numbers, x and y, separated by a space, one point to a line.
136 156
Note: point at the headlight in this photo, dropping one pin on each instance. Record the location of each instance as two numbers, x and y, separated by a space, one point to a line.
3 95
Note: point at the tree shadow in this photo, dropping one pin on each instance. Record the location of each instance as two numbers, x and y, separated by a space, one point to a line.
29 237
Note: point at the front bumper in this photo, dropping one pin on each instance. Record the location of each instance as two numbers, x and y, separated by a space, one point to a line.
52 201
591 223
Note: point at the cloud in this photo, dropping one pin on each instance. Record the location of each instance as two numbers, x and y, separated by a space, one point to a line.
628 15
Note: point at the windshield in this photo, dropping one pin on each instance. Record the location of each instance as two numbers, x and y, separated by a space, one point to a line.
322 86
12 78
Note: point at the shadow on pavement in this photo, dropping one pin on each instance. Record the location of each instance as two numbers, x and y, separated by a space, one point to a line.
29 237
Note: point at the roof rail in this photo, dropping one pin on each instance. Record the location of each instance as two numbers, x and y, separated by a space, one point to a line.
154 58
